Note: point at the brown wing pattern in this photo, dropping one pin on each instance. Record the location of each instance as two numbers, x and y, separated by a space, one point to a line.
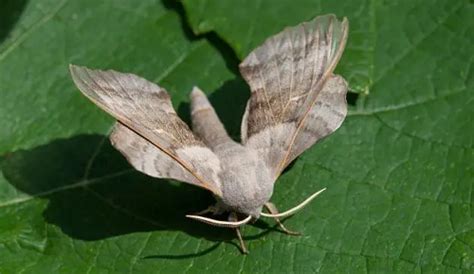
149 123
287 76
147 158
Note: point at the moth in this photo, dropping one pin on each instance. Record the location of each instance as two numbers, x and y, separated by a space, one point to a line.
295 101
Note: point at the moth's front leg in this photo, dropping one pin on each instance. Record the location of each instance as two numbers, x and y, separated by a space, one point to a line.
273 210
213 209
233 218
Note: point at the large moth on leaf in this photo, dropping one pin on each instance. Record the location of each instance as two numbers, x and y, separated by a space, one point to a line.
295 101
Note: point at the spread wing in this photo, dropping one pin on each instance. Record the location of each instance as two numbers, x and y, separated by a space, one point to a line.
149 132
296 100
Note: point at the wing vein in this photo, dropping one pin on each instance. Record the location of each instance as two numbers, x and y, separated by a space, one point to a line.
290 93
275 65
319 85
263 80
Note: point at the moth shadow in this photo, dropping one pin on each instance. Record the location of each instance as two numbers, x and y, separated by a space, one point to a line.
95 194
9 14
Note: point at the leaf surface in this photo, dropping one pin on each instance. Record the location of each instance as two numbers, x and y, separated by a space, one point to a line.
399 171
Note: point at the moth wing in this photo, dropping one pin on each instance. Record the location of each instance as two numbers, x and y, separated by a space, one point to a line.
295 100
150 128
324 118
147 158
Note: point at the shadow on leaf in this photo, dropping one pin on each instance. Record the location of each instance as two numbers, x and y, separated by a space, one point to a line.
227 53
10 12
184 256
113 200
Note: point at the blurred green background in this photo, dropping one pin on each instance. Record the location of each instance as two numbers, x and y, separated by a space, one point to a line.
399 172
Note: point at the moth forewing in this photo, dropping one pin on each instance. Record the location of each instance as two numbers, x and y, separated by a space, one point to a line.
145 111
276 114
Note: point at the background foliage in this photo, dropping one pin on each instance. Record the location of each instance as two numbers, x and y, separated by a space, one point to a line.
399 171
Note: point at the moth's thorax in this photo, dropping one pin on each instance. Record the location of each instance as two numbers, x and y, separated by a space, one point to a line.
246 182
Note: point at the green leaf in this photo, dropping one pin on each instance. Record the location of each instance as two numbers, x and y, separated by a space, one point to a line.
248 24
399 171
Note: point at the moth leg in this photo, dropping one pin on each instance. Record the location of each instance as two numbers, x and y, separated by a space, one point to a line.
233 218
211 209
273 210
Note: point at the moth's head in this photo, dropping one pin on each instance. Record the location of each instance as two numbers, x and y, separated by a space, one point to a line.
254 212
244 205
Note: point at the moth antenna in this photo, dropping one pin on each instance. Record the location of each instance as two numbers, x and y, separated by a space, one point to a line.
214 222
294 209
